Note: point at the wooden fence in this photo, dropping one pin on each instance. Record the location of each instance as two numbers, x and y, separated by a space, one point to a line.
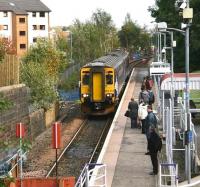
9 71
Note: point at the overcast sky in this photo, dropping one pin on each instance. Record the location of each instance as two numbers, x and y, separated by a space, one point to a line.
64 12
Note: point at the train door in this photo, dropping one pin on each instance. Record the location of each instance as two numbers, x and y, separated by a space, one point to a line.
97 86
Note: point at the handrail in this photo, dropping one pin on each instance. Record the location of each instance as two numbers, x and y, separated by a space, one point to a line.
89 177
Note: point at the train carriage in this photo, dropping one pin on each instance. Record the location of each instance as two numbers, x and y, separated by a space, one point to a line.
101 82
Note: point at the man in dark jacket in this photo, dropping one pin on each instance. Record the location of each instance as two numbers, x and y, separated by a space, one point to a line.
150 120
133 107
154 145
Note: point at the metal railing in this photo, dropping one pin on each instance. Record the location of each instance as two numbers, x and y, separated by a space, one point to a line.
173 123
91 178
173 182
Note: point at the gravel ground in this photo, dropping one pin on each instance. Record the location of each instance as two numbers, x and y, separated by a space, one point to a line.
41 157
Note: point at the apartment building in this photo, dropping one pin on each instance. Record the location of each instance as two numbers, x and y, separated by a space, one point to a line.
23 22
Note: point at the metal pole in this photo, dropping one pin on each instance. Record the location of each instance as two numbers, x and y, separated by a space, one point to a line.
165 58
56 168
158 40
172 76
187 98
20 144
71 46
160 47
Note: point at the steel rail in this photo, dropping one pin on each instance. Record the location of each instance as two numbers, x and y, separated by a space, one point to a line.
99 141
68 145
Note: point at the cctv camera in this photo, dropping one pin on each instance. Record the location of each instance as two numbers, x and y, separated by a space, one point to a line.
163 50
183 5
180 4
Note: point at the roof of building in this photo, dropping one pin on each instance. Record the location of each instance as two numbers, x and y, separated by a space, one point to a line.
23 6
179 81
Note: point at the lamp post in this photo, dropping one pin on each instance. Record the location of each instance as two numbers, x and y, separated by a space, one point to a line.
187 14
71 47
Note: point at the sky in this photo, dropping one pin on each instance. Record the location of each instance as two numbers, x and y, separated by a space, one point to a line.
64 12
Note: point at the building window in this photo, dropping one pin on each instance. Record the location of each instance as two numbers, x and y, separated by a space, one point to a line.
22 46
5 14
22 20
34 27
33 14
22 33
42 27
5 27
42 14
34 40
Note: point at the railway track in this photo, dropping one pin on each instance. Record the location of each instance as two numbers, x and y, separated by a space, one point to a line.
83 147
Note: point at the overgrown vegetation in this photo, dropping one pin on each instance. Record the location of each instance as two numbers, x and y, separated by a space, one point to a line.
6 47
71 83
5 103
5 182
41 83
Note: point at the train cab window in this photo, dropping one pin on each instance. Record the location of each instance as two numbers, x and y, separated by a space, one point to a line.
85 79
109 79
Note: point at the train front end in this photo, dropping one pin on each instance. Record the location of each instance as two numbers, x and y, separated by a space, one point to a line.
97 89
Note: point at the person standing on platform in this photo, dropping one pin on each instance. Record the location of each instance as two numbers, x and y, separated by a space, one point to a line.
133 108
149 83
142 114
150 120
144 95
154 145
151 96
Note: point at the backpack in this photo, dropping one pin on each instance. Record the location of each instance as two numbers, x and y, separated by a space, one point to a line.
145 96
151 97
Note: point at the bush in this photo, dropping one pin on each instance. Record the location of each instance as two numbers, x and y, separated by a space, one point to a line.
41 84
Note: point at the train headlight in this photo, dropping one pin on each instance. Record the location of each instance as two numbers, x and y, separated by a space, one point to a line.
109 95
85 95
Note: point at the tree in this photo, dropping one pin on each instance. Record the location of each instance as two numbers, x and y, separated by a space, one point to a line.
41 84
6 47
43 52
39 71
132 37
93 38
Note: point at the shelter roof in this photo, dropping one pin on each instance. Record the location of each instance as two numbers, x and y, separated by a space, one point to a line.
179 81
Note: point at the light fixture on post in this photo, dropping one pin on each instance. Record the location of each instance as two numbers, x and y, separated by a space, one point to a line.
187 14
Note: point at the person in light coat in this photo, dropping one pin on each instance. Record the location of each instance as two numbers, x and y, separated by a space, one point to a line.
142 114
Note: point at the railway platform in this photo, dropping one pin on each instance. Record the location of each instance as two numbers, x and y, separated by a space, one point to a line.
124 150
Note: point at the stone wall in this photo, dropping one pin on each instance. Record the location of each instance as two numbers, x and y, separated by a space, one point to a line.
18 112
35 122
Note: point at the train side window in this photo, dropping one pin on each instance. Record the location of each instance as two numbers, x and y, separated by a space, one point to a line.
85 79
109 79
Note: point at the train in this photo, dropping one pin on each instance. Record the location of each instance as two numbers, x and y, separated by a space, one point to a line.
101 82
